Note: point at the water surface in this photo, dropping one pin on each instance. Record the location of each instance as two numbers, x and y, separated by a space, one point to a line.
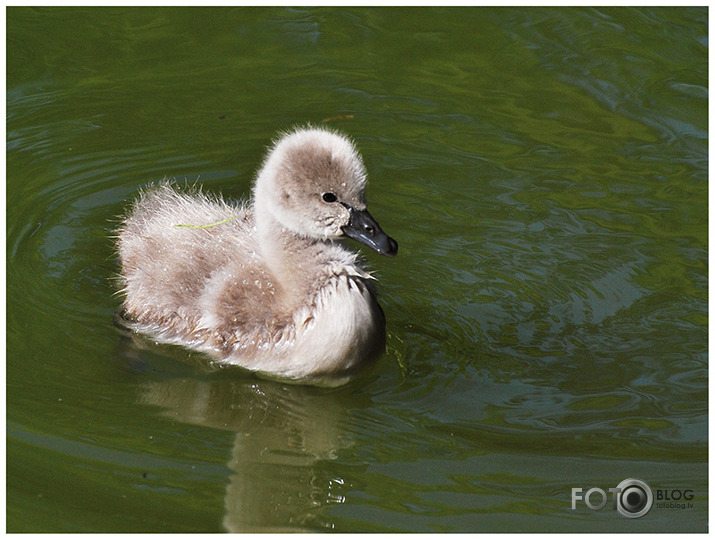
545 173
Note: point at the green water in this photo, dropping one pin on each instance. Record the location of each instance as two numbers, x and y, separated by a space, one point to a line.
545 173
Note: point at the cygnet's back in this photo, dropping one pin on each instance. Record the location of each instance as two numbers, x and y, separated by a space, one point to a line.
263 286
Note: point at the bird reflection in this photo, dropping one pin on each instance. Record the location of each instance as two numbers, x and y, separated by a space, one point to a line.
282 434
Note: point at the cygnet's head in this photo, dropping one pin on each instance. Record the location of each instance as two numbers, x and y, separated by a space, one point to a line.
313 184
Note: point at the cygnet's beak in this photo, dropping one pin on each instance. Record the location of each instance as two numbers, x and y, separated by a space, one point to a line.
363 228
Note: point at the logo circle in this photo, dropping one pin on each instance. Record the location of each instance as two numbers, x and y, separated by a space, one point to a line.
634 499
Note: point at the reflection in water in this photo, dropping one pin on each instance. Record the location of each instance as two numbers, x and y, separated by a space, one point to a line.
282 432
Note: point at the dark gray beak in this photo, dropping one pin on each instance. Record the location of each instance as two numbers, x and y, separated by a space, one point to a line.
363 228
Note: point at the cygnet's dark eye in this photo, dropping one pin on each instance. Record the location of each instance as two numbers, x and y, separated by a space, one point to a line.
329 197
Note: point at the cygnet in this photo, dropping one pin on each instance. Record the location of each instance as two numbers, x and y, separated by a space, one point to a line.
263 284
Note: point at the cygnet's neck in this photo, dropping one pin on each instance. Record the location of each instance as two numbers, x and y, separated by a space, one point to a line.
294 260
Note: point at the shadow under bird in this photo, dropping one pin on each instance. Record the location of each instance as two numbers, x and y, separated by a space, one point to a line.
262 284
